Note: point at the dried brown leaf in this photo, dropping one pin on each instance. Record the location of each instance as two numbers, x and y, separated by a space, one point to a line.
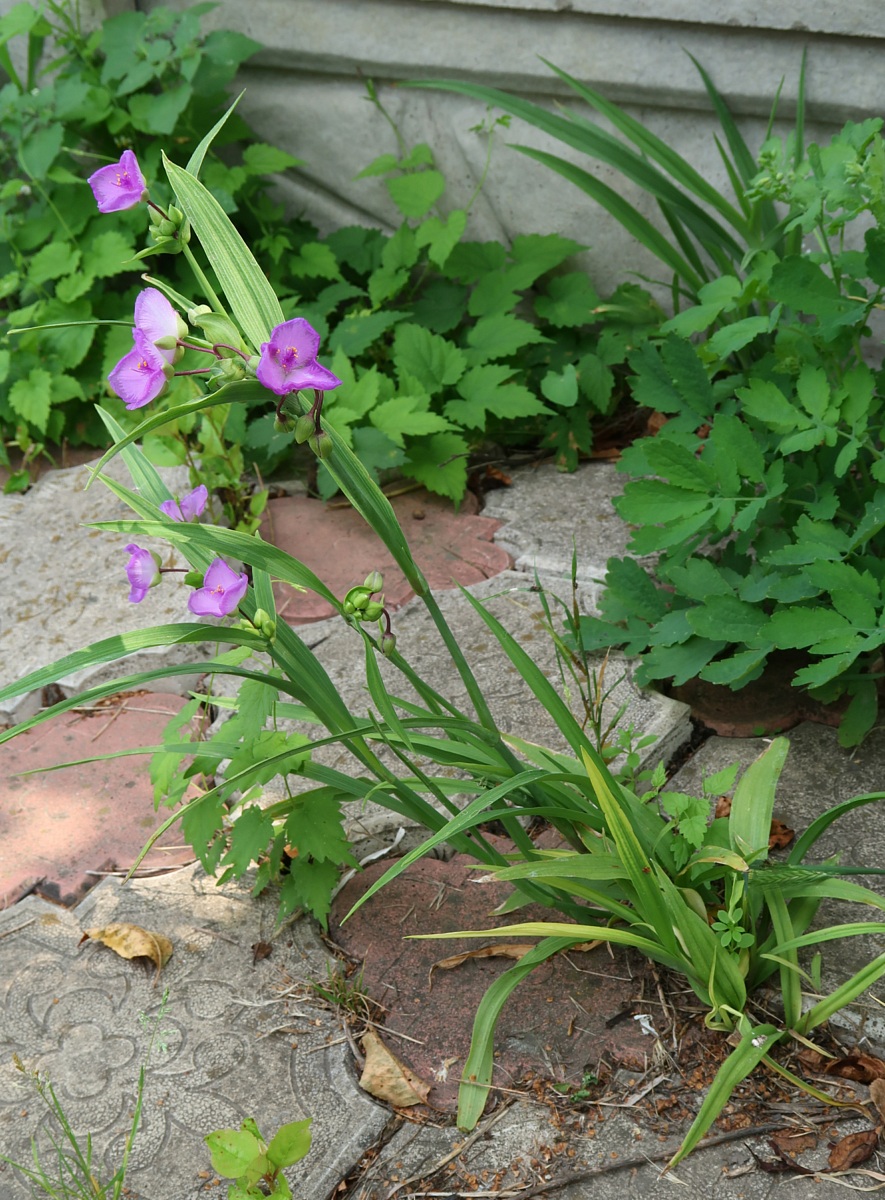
794 1143
863 1068
386 1078
853 1150
498 950
260 950
131 941
780 835
877 1095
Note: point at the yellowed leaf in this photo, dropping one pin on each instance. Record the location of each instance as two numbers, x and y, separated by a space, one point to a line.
131 941
499 949
386 1078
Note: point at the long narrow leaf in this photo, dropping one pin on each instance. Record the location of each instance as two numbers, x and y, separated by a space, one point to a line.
820 825
477 1075
251 298
753 1047
749 823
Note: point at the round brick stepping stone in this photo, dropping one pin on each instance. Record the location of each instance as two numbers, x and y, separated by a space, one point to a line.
450 547
56 826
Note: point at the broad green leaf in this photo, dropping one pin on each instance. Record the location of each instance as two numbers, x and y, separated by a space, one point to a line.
159 113
534 254
652 502
52 261
407 416
638 593
430 359
441 237
727 616
500 335
596 381
262 159
415 194
797 628
107 254
749 823
290 1143
764 401
440 463
731 338
568 301
359 330
679 663
699 579
31 398
232 1151
561 388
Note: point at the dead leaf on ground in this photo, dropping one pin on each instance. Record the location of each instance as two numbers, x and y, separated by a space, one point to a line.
260 950
853 1150
386 1078
131 941
499 950
784 1163
723 807
862 1068
877 1095
780 835
794 1143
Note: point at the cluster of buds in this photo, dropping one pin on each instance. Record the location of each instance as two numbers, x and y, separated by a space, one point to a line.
359 605
169 230
262 623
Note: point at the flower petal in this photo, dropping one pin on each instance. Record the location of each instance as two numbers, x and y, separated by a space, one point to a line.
156 318
194 502
139 376
297 335
119 185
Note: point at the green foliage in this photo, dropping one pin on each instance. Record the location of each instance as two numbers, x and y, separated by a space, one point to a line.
763 495
136 76
663 875
243 1155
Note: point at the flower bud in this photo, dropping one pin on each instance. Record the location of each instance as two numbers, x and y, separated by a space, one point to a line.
321 445
166 343
282 425
264 624
194 579
304 429
388 644
374 581
373 610
194 314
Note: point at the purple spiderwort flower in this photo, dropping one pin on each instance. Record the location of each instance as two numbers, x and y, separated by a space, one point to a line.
141 375
156 318
119 185
143 571
189 508
222 591
288 361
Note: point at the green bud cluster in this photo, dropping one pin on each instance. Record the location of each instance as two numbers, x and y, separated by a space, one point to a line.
172 231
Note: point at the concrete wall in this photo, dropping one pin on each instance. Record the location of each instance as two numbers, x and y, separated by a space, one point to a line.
305 91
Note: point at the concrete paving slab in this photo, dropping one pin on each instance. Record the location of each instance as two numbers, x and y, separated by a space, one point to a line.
239 1040
64 586
60 829
547 515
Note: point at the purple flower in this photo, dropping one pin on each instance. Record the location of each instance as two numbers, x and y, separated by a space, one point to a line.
222 591
143 570
140 376
119 185
191 505
159 321
289 360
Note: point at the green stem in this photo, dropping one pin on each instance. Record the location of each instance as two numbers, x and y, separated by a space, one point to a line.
204 283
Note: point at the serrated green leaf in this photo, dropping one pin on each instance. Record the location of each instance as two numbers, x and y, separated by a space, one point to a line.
500 335
314 260
441 237
54 260
727 616
440 463
798 628
679 663
568 301
679 466
107 254
359 330
765 401
407 416
159 113
652 502
416 193
698 579
636 591
31 398
261 159
731 338
534 254
430 359
738 669
596 381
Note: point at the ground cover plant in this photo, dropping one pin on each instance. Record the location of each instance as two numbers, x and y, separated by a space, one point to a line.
762 496
693 893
